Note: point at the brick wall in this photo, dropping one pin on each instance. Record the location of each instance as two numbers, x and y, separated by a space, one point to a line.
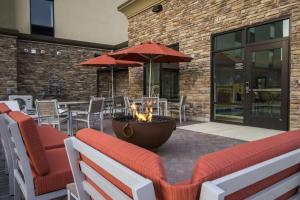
191 23
121 83
8 66
34 70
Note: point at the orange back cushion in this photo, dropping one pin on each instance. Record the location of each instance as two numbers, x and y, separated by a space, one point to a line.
4 108
32 142
218 164
142 161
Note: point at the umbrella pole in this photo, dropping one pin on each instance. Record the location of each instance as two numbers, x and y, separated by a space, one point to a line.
112 81
150 71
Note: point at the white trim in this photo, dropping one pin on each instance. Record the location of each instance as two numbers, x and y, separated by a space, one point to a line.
141 187
92 191
101 182
221 187
278 189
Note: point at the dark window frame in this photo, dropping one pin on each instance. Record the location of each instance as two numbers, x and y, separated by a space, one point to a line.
245 45
42 30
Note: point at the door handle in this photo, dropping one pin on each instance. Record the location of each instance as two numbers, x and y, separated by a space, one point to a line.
247 87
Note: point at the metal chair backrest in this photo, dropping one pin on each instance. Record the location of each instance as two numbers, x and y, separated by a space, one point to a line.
152 102
47 108
127 102
96 105
119 101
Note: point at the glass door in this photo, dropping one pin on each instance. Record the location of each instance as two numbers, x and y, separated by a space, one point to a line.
266 85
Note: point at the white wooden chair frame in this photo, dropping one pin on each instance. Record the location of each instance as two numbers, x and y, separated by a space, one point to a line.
22 169
142 188
13 105
7 152
221 187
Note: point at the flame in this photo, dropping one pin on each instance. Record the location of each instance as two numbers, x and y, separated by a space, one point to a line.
142 117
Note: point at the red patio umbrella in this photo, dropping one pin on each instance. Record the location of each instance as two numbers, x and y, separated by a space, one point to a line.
151 52
108 61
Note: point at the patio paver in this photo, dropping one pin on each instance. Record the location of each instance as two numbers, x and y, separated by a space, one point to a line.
239 132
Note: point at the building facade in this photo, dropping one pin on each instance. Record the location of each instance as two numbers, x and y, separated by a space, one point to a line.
246 66
42 41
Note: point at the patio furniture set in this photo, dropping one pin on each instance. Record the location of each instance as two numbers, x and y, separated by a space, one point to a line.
55 113
105 167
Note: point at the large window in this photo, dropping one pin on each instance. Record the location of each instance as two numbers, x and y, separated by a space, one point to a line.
233 81
41 15
165 79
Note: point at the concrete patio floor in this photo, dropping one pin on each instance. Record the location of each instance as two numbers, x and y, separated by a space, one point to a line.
178 154
239 132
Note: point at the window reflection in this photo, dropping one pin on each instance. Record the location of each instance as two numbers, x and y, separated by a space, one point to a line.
269 31
229 84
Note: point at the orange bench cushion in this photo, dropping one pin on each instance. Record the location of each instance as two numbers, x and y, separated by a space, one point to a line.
32 142
4 108
218 164
142 161
51 138
59 175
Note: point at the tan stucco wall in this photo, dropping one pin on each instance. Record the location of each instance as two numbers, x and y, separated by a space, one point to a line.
90 20
7 16
22 13
97 21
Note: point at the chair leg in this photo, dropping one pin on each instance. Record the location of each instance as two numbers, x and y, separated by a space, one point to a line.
101 122
11 183
180 120
69 195
76 125
5 167
17 192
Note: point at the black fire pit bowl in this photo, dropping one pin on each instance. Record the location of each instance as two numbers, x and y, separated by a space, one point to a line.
149 135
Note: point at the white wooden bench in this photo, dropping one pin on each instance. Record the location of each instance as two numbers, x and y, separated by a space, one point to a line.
141 188
218 189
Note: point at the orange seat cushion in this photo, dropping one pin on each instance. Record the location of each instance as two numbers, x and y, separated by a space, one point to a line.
51 138
218 164
184 190
142 161
59 175
4 108
32 142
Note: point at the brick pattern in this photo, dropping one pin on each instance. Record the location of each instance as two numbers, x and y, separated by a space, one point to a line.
191 23
8 66
120 83
34 70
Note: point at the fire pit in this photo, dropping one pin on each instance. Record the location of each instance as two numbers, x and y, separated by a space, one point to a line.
143 129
